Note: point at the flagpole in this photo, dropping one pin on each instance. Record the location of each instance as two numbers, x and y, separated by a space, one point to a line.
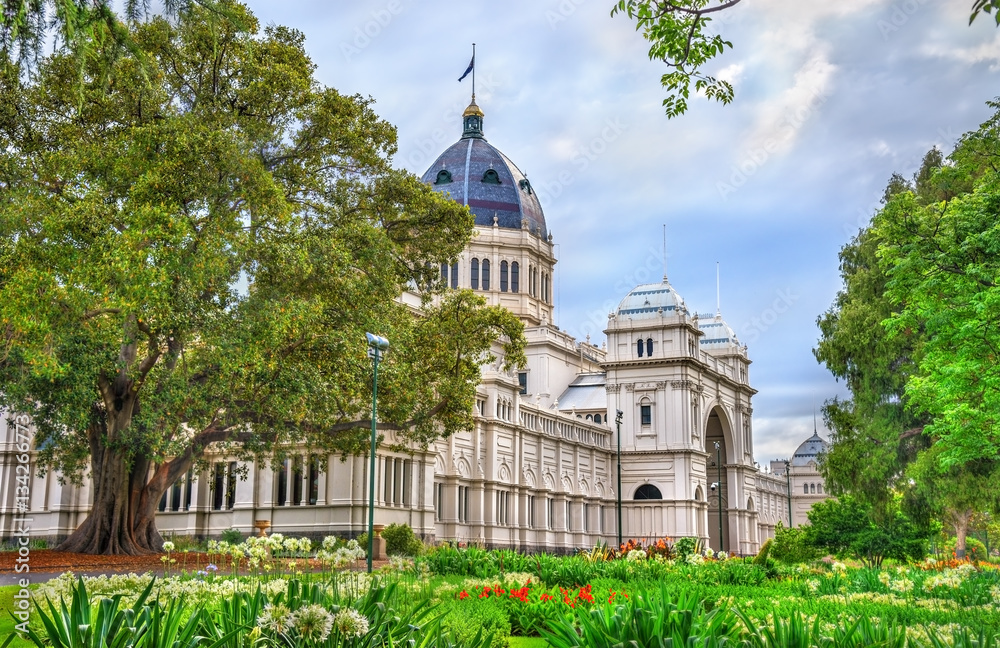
473 71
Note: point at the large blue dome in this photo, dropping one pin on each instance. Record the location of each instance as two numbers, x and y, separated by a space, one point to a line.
476 174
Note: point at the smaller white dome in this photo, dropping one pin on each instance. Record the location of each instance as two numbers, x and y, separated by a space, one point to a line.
717 334
809 450
648 301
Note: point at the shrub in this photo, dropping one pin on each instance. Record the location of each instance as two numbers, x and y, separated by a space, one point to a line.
791 545
974 549
400 540
466 619
232 536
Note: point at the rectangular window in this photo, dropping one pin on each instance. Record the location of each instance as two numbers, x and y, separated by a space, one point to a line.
297 481
282 495
522 381
188 488
438 501
219 486
463 504
231 485
550 515
569 516
313 480
454 275
646 414
531 511
586 518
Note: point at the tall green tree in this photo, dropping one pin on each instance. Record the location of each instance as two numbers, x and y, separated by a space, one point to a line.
193 242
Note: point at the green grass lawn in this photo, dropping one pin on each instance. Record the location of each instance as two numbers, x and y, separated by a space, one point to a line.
7 621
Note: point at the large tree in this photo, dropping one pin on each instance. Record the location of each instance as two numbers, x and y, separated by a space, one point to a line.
194 237
914 334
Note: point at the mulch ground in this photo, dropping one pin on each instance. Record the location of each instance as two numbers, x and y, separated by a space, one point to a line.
51 561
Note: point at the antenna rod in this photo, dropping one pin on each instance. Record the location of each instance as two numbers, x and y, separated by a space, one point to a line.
718 301
664 253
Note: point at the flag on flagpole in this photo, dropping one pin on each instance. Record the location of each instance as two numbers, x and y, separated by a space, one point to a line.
472 64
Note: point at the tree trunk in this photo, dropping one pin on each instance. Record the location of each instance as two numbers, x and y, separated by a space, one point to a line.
960 520
122 519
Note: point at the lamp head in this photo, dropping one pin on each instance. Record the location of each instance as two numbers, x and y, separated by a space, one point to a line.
377 342
713 486
618 416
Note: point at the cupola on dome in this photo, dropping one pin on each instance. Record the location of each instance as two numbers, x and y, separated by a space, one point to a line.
647 301
476 174
809 450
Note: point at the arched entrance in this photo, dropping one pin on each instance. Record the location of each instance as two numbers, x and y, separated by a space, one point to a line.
717 445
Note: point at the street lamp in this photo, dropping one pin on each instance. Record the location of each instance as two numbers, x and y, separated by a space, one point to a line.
618 424
718 466
376 347
788 481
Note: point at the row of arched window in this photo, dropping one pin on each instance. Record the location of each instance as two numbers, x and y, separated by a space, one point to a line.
812 489
646 345
539 283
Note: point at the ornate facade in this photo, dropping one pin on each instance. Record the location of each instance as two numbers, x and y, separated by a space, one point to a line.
539 469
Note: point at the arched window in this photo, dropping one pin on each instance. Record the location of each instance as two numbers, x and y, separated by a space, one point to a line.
749 503
486 274
819 489
444 273
698 495
545 287
503 276
805 488
474 272
443 177
589 417
647 492
649 347
515 276
491 177
454 275
597 418
639 347
812 489
533 281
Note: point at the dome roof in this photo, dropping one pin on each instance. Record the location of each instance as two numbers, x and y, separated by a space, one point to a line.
809 450
476 174
717 333
646 301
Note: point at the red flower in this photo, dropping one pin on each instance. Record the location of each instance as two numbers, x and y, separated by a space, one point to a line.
463 595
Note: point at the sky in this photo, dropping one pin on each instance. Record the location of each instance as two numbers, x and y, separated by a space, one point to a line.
832 97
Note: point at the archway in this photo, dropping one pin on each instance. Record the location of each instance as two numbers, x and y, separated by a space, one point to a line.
719 448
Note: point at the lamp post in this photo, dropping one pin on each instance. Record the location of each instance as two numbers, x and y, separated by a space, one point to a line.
718 466
788 481
376 347
618 492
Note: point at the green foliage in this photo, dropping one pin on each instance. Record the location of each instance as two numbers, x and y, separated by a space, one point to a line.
466 619
400 540
679 35
232 536
846 526
791 545
684 547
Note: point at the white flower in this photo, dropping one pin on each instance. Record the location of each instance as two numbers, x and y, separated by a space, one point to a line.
291 545
722 555
313 623
351 623
275 618
168 546
305 545
709 553
838 566
330 543
635 554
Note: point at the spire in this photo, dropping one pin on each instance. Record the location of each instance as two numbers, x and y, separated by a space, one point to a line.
472 118
665 253
718 300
